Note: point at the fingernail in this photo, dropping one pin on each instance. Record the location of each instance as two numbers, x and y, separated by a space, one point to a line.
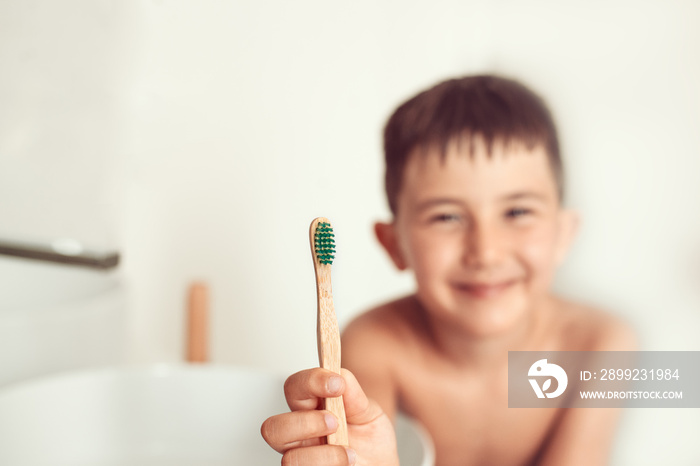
331 422
334 384
352 456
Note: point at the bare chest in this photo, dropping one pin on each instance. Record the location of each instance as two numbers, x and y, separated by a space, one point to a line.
469 419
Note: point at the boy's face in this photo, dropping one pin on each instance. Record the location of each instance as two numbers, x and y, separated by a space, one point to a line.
483 234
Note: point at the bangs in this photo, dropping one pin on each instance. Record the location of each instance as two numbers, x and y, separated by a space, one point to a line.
495 109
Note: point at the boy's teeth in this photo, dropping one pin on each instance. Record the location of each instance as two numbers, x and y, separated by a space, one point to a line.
484 289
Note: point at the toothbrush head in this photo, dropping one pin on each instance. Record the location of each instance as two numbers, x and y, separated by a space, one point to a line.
324 242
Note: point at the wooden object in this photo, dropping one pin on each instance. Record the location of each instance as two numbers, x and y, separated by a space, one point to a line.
328 335
197 350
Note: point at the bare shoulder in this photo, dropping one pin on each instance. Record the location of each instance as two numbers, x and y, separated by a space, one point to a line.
374 349
385 328
587 328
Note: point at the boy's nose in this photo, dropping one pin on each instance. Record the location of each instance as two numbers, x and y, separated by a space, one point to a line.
484 246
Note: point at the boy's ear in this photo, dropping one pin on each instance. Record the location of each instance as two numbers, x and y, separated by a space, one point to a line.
569 221
386 234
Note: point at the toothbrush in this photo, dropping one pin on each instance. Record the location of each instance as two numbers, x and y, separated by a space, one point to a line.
323 251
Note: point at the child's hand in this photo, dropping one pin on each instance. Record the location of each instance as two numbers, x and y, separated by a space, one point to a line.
299 435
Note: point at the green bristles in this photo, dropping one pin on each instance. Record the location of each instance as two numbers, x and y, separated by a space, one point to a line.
324 244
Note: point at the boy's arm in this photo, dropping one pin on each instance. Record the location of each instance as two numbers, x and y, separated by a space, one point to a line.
584 436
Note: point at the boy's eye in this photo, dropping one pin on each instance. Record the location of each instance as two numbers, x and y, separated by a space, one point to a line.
517 212
446 218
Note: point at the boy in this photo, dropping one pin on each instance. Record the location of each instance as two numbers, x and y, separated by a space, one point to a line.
474 182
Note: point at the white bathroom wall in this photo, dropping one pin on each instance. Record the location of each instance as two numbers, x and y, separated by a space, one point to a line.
202 138
61 85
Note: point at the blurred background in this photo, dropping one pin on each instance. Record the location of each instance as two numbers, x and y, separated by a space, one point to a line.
199 140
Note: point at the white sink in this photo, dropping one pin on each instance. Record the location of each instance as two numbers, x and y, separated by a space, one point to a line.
57 317
155 416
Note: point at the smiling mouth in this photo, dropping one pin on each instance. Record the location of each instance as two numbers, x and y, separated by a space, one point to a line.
484 290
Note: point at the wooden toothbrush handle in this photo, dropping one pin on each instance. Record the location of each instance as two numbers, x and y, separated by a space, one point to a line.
328 335
329 349
335 406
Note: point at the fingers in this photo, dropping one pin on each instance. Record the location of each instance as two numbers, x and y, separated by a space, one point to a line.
299 435
358 408
297 429
304 389
331 455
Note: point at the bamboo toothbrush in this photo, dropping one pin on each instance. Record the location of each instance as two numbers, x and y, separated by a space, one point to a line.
323 252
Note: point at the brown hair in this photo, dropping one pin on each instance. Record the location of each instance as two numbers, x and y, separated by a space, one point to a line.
492 107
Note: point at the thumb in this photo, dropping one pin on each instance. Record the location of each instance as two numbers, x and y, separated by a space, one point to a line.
358 408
